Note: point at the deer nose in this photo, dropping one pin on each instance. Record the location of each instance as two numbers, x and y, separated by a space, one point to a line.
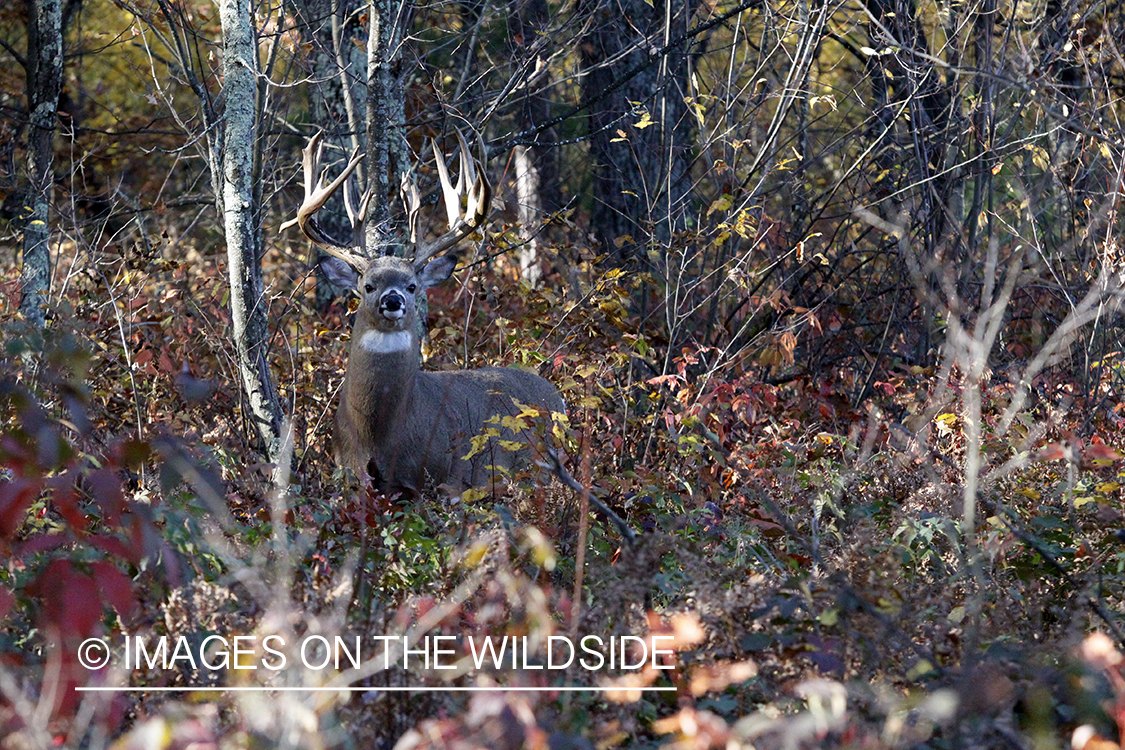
391 305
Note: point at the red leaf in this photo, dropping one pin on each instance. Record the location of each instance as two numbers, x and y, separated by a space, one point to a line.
1099 451
16 496
105 487
1051 452
114 547
116 588
70 600
65 500
663 380
33 545
7 599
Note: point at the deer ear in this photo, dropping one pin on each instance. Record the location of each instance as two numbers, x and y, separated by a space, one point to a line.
339 273
437 270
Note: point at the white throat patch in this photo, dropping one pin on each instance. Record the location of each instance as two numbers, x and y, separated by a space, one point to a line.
377 342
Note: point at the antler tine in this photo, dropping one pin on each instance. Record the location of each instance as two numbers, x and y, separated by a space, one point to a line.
480 192
478 204
451 194
413 202
316 195
364 204
468 177
357 217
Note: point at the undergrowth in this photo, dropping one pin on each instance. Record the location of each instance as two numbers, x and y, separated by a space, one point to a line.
805 559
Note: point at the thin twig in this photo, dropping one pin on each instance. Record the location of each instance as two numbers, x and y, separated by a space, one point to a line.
555 465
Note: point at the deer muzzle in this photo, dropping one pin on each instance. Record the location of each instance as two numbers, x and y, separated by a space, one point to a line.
392 305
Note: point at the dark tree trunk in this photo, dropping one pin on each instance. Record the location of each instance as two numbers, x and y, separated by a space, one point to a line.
904 81
386 122
641 174
337 98
44 83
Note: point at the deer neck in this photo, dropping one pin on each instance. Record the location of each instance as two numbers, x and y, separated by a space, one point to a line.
382 370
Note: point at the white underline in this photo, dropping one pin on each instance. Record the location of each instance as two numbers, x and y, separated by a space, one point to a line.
358 689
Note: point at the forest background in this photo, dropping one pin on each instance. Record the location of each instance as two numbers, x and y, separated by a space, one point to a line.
832 293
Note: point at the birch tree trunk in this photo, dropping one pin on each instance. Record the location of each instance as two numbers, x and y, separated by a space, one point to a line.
536 166
44 82
235 188
529 209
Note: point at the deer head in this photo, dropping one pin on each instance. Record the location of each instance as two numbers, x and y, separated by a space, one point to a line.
397 424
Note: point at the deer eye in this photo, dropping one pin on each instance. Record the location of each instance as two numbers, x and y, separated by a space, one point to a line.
411 288
369 288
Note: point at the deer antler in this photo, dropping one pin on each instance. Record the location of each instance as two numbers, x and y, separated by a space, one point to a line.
472 183
317 193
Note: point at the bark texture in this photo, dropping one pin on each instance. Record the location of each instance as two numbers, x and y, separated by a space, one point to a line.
386 122
44 83
337 98
239 209
528 208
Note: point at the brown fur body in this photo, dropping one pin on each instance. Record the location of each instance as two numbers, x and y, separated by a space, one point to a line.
399 424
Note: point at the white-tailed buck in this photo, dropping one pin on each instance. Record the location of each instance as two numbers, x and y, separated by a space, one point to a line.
398 424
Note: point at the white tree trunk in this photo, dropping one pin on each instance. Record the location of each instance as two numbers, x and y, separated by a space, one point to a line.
529 209
239 208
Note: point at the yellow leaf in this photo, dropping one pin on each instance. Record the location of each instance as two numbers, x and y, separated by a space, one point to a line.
722 203
919 669
476 553
1108 487
1039 156
541 549
515 424
1028 492
471 495
478 442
